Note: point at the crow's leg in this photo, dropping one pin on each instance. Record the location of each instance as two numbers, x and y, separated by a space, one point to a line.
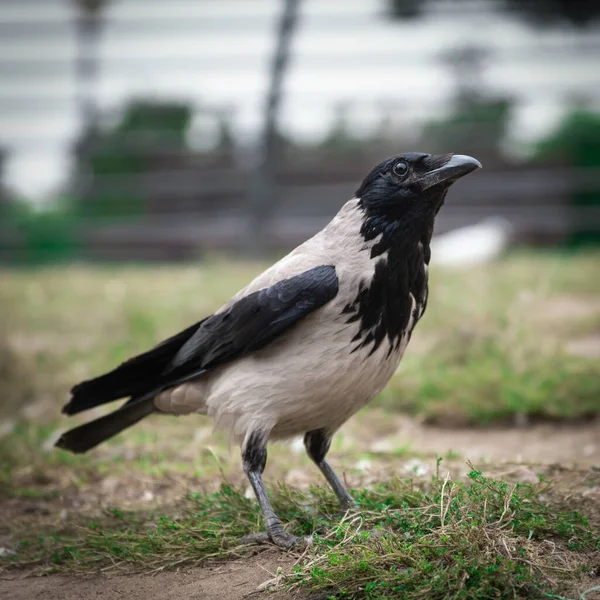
254 456
317 444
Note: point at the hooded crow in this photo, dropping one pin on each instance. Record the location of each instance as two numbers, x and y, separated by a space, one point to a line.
306 344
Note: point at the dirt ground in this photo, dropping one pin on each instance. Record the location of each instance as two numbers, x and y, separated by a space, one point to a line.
577 444
231 581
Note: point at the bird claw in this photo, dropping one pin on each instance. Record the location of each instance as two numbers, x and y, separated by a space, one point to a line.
287 541
281 539
255 538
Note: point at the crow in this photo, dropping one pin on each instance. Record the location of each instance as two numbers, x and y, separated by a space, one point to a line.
307 343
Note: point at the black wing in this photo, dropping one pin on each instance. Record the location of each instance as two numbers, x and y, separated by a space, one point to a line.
251 323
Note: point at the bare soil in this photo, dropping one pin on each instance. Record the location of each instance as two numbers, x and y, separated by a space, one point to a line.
538 442
233 580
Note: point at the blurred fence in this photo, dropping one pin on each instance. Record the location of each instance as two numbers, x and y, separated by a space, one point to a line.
138 191
183 212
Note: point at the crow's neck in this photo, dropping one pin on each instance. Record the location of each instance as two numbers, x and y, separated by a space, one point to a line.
386 235
389 304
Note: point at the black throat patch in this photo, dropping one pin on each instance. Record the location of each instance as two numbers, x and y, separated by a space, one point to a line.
383 306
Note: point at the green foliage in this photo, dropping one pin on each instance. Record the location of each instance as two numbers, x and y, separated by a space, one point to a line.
157 122
577 140
129 149
49 233
144 127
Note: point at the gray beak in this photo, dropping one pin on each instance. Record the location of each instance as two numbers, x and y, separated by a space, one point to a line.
458 166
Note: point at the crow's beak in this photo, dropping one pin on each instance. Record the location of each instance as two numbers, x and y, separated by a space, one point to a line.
458 166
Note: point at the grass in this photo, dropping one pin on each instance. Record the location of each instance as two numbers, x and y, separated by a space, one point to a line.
488 384
481 539
490 347
472 539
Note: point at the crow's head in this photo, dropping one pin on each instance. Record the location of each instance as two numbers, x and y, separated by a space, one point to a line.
411 187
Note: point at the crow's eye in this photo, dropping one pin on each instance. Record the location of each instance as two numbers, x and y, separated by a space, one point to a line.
400 169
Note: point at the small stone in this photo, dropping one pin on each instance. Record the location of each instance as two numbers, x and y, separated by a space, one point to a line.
589 449
383 445
416 467
526 475
147 496
109 485
364 464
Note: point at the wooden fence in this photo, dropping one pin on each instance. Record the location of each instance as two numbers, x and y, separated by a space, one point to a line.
185 212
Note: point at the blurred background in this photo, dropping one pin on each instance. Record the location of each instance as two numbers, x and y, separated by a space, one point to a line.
157 155
147 130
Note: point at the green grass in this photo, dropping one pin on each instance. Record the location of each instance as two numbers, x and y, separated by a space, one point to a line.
482 539
472 539
488 348
487 384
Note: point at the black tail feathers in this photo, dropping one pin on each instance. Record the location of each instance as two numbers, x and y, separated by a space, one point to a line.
83 438
139 378
135 377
